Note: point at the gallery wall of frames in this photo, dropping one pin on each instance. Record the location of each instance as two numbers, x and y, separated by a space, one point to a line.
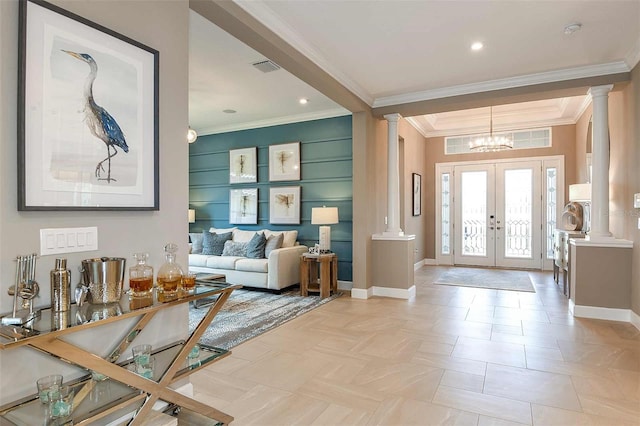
272 177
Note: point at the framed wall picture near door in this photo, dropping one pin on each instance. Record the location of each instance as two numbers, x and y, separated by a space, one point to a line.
417 194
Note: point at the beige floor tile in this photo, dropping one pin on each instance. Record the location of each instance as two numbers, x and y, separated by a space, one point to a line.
598 386
515 330
601 355
360 398
565 367
538 387
462 328
408 380
254 402
550 416
392 346
628 382
466 381
405 412
450 363
537 351
436 348
488 405
541 341
492 421
521 314
606 407
293 409
489 351
339 415
228 365
226 387
252 350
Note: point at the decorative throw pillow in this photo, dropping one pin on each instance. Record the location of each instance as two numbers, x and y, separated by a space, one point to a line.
255 247
213 244
196 241
234 248
273 242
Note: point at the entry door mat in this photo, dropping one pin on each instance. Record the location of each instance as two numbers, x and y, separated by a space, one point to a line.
498 279
249 313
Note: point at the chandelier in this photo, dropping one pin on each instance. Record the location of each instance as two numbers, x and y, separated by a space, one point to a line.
491 143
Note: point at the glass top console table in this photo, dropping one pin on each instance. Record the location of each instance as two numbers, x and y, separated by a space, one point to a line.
125 391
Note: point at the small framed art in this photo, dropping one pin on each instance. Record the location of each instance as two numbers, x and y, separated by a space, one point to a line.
243 165
417 194
284 161
284 205
243 206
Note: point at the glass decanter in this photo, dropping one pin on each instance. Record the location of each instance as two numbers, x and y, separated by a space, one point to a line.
141 276
169 275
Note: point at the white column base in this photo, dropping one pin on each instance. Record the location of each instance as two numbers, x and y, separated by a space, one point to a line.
396 293
596 312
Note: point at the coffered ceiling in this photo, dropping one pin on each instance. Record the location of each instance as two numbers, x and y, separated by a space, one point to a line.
393 52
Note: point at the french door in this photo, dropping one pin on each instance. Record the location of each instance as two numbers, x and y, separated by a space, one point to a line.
498 214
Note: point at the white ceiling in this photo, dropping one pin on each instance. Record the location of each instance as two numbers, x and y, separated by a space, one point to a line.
394 51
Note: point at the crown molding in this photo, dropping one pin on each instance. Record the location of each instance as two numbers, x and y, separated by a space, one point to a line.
416 125
507 83
582 108
633 57
319 115
268 18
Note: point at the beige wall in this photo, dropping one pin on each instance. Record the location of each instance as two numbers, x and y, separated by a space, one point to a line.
163 25
563 143
582 128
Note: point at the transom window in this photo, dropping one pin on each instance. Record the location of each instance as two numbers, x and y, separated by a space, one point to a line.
522 139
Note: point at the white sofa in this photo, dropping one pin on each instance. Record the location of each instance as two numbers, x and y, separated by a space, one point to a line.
281 269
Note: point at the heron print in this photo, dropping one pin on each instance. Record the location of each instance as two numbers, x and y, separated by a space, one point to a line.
101 124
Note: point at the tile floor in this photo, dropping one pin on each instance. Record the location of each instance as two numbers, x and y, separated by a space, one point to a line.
452 355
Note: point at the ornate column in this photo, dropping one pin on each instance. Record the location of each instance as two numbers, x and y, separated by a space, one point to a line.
600 163
393 178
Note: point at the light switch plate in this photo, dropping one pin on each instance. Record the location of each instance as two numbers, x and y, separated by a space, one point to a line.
636 201
68 240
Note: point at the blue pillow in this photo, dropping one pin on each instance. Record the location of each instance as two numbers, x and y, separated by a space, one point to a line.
213 244
255 247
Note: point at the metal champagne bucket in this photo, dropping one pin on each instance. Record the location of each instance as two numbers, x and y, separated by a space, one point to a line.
103 279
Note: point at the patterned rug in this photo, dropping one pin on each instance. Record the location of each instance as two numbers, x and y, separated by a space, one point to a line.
499 279
249 313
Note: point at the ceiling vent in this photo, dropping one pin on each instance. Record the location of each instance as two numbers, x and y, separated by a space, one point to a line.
266 66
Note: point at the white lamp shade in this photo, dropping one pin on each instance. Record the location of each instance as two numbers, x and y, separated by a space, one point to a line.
192 215
324 215
580 192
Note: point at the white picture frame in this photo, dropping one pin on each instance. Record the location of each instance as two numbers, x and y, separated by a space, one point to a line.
243 206
284 162
243 166
284 205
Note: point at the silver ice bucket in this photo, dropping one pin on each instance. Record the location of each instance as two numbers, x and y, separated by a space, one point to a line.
103 279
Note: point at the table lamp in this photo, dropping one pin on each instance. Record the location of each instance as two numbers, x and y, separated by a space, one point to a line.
324 216
192 215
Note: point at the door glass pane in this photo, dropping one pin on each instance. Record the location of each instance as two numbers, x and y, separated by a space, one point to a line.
446 213
474 213
551 209
518 215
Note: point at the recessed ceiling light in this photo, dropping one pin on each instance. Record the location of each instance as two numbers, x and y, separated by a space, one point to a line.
229 111
477 45
572 28
303 101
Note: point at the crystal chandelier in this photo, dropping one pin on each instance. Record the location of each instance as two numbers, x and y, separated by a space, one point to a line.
491 143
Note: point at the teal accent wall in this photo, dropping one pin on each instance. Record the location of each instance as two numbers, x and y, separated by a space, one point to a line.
325 179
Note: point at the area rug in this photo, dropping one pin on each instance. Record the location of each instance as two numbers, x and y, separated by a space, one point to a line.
249 313
498 279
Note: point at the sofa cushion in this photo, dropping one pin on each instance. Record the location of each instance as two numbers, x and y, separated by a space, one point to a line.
252 265
242 236
255 247
290 237
234 248
274 242
198 260
196 242
222 262
214 243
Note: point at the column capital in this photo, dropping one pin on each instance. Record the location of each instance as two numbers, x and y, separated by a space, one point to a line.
600 90
392 117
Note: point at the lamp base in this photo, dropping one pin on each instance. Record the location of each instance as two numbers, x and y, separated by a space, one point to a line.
325 238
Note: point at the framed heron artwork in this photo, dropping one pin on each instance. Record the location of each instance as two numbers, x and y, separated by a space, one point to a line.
243 165
243 206
87 116
284 161
284 205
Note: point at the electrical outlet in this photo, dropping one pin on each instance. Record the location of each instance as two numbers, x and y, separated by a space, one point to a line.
68 240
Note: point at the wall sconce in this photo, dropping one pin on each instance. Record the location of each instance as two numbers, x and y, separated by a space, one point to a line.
324 216
192 135
192 216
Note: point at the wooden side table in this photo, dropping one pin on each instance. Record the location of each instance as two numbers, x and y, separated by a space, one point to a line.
328 280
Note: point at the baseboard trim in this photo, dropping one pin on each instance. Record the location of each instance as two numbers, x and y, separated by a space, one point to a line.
345 285
395 293
418 265
430 262
596 312
635 320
